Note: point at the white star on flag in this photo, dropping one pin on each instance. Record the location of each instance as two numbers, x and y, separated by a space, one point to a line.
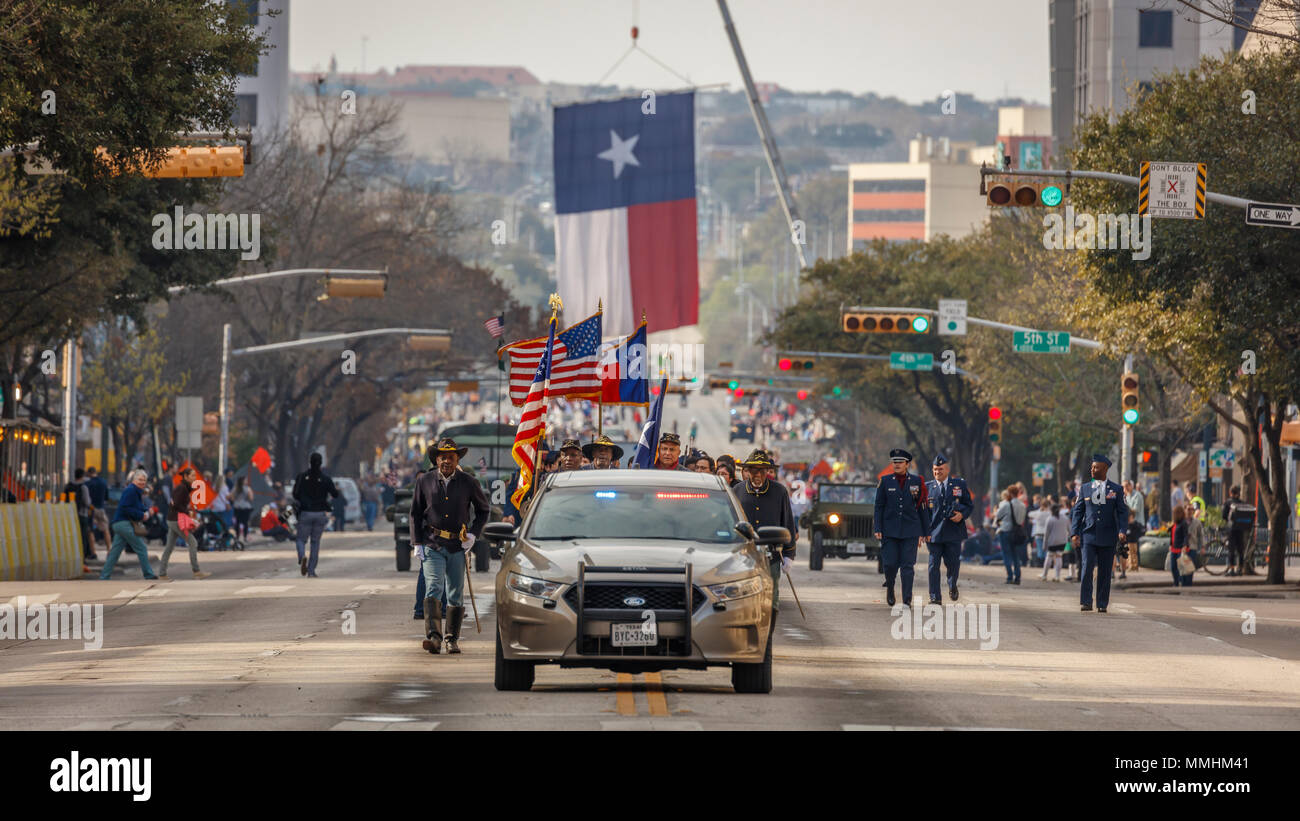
620 152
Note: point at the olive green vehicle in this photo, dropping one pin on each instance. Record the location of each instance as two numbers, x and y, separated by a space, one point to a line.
839 523
635 571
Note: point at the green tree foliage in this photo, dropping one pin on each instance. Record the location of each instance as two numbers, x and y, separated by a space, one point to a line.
1213 299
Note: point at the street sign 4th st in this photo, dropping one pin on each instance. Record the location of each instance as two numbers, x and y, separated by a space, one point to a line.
1276 215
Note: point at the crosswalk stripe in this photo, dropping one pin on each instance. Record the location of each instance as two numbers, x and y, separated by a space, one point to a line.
42 598
269 588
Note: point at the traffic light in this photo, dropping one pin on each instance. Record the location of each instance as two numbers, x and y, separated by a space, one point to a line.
884 322
837 391
802 394
733 385
995 424
190 161
719 384
794 365
1128 388
1019 192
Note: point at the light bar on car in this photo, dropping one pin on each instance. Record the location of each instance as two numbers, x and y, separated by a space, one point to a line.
670 495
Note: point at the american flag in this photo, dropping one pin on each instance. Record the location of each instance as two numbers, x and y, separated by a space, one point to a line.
496 326
575 363
532 422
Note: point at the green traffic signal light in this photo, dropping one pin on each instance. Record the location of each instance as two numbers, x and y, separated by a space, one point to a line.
1131 416
1052 196
733 384
920 324
837 390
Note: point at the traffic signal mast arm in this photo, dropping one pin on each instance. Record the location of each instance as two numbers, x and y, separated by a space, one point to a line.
1074 340
986 171
876 356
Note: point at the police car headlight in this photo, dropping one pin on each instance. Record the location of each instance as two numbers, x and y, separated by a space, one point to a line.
532 587
833 519
730 591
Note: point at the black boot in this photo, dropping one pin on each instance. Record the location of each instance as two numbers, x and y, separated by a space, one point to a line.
455 615
889 596
432 625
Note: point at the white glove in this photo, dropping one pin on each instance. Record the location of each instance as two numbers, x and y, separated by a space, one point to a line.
786 563
468 542
419 552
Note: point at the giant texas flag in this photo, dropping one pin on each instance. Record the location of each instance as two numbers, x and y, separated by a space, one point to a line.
625 211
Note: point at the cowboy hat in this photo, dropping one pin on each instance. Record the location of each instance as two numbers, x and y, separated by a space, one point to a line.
602 441
758 459
447 446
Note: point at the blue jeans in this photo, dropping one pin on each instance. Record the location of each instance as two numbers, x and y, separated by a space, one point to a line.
899 559
369 510
124 537
419 594
1101 558
950 554
311 524
1010 556
444 574
1179 578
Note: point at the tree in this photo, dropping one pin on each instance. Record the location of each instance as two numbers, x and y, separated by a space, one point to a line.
1210 299
126 386
1278 20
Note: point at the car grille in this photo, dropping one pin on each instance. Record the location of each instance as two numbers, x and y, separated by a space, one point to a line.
858 527
610 595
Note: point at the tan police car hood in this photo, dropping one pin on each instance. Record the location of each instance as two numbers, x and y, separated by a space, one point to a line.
558 561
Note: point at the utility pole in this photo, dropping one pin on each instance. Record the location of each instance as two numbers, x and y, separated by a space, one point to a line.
764 132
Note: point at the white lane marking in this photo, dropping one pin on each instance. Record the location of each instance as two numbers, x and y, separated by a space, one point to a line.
179 701
895 727
121 724
651 724
126 594
1235 612
379 587
267 588
371 723
42 598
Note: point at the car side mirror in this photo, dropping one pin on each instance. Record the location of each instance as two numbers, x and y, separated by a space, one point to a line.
747 530
499 532
772 535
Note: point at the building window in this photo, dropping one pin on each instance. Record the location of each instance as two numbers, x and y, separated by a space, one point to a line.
250 5
1155 29
889 215
245 110
882 186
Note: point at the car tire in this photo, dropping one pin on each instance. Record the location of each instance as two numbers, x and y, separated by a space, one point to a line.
403 557
754 678
513 675
815 555
482 558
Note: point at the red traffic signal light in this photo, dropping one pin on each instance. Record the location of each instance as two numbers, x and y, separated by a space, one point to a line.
739 393
802 394
995 413
784 364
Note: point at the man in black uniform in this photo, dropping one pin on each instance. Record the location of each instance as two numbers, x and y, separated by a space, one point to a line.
441 532
902 516
571 455
950 506
767 504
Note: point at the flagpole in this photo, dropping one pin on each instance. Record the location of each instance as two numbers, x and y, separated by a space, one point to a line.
532 483
600 399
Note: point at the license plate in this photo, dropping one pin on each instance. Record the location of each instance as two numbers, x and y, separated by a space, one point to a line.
634 634
858 548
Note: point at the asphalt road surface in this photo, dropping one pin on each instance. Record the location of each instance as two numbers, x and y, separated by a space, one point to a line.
258 646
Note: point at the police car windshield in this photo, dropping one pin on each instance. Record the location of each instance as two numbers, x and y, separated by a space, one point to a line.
635 513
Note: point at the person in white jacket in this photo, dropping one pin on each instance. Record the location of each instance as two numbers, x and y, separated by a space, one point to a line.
1057 533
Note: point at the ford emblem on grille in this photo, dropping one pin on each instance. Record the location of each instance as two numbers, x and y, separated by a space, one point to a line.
634 601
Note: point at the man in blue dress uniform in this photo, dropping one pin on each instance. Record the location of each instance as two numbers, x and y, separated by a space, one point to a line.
902 517
1098 521
950 506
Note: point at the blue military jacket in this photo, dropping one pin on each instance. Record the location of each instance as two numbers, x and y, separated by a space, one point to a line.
902 512
957 499
1099 514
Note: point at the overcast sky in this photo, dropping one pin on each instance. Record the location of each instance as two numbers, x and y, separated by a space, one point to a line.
913 49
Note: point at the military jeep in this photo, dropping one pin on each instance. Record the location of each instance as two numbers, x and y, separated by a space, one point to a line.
839 523
399 513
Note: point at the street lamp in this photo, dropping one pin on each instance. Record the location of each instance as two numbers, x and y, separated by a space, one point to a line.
436 339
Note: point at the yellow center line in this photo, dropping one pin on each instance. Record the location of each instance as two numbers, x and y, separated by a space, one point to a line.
654 694
626 699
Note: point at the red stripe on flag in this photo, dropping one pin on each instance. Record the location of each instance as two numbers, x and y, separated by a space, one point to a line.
663 263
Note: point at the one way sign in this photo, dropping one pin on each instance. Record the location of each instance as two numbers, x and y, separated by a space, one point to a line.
1274 214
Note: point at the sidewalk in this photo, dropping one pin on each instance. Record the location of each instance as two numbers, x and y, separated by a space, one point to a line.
1157 581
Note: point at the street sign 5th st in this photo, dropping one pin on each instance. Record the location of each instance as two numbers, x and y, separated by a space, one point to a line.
1040 341
1273 214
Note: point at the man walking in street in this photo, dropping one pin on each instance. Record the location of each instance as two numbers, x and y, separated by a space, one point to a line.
950 505
130 509
766 503
442 531
313 491
902 517
1098 524
81 498
1240 518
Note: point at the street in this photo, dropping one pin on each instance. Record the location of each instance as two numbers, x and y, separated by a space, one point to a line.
258 647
